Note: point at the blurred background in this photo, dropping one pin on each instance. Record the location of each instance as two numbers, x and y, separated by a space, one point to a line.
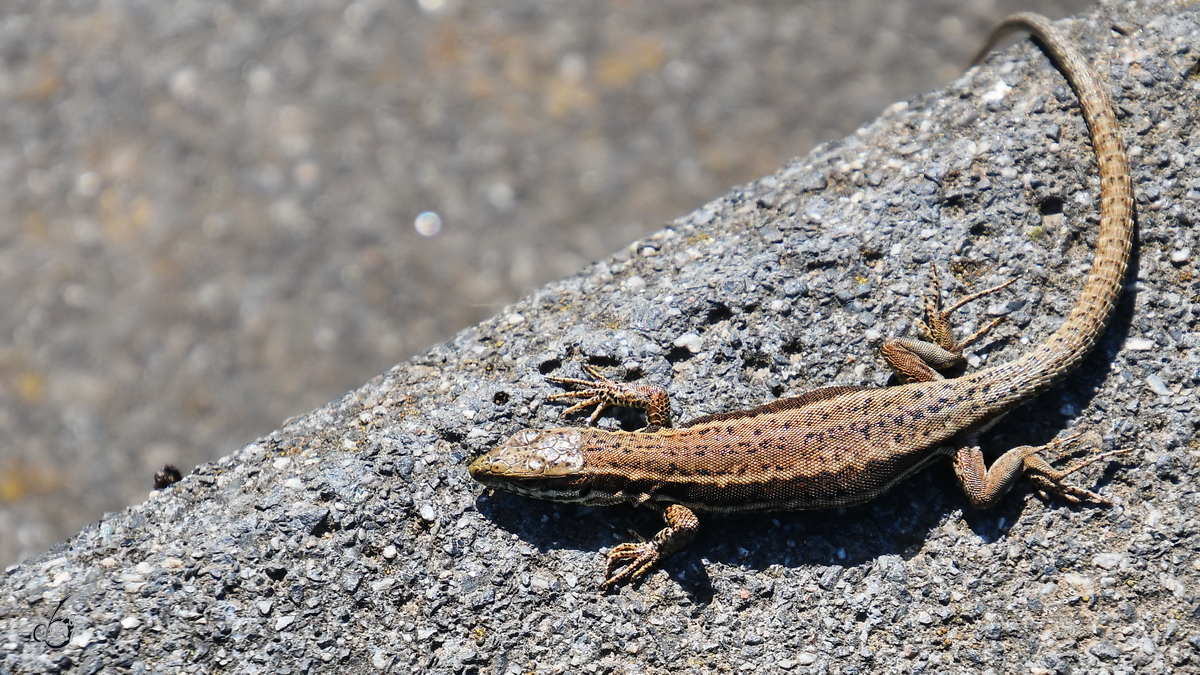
218 214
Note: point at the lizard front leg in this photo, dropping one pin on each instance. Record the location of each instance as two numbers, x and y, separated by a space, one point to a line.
920 360
639 557
605 393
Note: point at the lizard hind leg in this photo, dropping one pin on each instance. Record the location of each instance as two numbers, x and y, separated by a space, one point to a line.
920 360
985 486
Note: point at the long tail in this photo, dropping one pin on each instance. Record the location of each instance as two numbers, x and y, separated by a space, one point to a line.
1062 352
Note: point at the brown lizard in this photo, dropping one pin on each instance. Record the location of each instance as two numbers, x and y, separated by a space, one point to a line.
843 445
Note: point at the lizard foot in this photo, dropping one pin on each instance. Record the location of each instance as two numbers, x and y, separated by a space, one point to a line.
638 558
605 393
1049 480
937 320
920 360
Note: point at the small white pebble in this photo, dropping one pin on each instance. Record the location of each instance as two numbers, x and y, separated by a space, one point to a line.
1139 344
293 483
1157 385
81 640
389 551
691 341
996 93
428 513
130 622
284 621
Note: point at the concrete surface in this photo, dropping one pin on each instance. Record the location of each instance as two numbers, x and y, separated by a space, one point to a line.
352 539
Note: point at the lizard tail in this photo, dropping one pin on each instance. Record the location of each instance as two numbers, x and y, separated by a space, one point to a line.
1051 361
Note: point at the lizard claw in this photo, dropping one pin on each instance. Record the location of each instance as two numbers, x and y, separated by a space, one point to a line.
599 391
640 556
1050 481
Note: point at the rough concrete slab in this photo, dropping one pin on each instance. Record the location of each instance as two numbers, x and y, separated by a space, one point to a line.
353 540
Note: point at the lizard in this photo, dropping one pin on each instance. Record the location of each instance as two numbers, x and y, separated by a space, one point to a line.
840 445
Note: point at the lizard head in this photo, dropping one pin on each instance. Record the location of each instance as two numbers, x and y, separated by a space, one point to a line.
542 463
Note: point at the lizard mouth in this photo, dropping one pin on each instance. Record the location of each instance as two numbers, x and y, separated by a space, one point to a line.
557 489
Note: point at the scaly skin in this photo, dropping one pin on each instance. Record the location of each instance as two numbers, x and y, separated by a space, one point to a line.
838 446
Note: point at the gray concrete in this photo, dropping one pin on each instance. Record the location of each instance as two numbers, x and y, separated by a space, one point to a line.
352 540
208 207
